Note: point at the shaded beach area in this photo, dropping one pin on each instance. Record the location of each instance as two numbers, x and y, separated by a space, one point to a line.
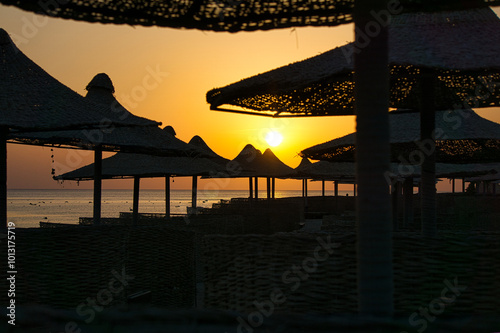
391 254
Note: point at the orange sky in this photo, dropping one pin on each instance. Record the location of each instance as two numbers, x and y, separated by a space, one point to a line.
191 63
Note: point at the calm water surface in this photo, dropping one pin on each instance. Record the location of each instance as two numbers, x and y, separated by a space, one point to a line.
28 207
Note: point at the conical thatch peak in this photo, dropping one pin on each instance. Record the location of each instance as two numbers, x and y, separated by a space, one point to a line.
170 130
272 166
304 163
249 151
101 80
198 142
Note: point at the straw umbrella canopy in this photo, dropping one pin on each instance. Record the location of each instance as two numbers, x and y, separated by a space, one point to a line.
32 100
371 80
464 54
217 15
462 136
136 166
100 91
252 163
429 71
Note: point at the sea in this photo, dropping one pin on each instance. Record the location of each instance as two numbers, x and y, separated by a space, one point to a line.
27 208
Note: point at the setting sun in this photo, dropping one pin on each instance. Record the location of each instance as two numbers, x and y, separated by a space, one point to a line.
274 138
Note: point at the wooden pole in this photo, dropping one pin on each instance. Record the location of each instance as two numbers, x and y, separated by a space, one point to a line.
4 132
97 184
194 191
250 187
373 203
408 201
463 185
428 153
336 193
453 185
256 187
167 196
323 188
268 183
135 201
395 198
273 187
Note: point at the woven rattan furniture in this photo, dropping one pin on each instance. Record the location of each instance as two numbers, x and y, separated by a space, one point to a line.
243 270
62 267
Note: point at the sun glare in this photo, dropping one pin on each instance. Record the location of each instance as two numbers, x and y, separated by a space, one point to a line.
274 138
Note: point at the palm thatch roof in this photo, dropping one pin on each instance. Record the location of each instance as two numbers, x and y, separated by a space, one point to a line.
461 47
462 136
251 162
129 165
493 176
200 144
129 139
31 99
271 166
346 170
221 15
304 163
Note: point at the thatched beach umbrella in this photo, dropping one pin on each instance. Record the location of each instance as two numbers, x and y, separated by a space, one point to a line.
137 166
100 91
32 100
462 136
217 15
304 163
429 71
247 165
250 162
375 271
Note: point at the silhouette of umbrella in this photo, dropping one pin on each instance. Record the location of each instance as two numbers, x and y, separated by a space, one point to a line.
136 166
100 91
221 15
371 80
32 100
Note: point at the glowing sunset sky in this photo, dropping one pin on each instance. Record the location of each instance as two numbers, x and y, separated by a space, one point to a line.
188 64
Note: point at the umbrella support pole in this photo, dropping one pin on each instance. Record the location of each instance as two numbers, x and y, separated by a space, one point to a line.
408 201
373 203
194 192
135 201
336 193
395 208
305 194
4 132
167 196
268 183
322 187
256 188
97 184
273 188
427 147
250 188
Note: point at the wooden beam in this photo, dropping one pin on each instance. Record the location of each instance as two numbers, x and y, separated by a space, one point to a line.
97 184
